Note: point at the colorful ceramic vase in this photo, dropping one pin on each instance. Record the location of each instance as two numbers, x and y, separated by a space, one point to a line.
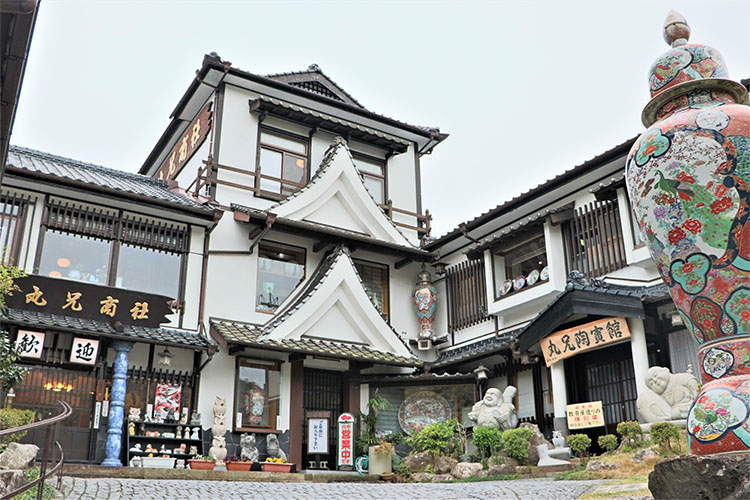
688 177
425 302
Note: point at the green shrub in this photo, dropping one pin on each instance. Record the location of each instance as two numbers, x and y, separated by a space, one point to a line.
11 417
663 434
440 438
630 432
487 440
516 443
608 442
394 438
48 491
579 443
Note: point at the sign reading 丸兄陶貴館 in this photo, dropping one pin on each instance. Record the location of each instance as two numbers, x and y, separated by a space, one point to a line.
583 415
188 144
85 300
582 338
346 442
317 436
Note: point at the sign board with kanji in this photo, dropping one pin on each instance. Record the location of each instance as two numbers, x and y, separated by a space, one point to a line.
346 442
317 436
30 344
583 415
582 338
187 145
84 351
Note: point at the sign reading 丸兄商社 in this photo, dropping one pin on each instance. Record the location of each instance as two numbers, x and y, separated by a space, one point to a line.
188 144
346 441
583 415
317 436
582 338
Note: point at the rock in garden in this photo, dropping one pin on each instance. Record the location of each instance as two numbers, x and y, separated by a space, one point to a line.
11 480
501 470
443 465
710 477
462 470
422 477
597 465
439 478
18 456
643 454
536 440
418 461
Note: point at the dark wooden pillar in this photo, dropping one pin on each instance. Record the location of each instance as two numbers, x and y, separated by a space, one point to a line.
296 413
351 392
536 375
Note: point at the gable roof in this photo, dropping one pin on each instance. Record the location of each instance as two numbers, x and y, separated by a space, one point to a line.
24 160
314 80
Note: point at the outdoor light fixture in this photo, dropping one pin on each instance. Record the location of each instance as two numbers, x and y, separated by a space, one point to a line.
439 269
58 387
165 357
481 374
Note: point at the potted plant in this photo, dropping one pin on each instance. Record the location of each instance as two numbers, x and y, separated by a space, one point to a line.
200 462
368 440
235 463
380 458
275 465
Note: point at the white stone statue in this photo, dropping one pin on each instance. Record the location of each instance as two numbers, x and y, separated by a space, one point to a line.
273 449
496 410
669 395
218 448
249 451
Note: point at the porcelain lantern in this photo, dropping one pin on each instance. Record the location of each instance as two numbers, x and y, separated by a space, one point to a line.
688 178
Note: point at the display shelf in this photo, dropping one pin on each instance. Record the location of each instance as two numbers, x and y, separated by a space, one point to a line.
161 427
160 454
163 438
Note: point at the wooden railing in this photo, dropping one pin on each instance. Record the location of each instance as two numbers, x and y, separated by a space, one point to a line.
43 472
208 174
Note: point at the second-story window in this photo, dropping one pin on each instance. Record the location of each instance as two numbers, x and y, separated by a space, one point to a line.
280 269
375 278
520 262
282 163
12 219
466 292
373 175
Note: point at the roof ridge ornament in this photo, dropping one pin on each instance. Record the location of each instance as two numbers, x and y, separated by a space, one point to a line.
676 29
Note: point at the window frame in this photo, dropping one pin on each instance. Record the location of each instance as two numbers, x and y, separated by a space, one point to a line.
383 178
386 313
261 193
10 245
495 252
279 247
254 362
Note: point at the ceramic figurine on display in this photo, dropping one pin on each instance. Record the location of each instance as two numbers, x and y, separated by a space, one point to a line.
195 418
273 449
131 428
249 451
218 448
186 433
425 299
143 429
193 450
194 434
134 414
688 178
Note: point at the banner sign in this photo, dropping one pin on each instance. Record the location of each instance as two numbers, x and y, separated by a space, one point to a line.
317 436
188 144
567 343
346 442
84 351
30 344
583 415
86 300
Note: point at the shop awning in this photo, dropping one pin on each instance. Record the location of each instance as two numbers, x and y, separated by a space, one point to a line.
160 336
479 349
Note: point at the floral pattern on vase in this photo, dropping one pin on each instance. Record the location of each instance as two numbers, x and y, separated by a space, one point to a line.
425 303
717 421
729 356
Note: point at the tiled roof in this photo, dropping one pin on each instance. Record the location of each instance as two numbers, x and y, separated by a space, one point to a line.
480 348
313 70
161 336
617 179
95 175
252 336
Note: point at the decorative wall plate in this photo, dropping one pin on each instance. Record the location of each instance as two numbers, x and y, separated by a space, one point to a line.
544 274
507 287
533 277
422 409
519 282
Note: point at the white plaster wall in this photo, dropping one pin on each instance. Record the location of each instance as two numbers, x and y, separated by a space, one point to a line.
402 189
217 379
193 273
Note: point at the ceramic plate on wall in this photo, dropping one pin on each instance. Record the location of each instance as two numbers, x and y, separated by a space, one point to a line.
519 282
544 274
422 409
507 287
533 277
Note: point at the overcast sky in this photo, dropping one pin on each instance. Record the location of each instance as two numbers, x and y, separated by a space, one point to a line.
525 89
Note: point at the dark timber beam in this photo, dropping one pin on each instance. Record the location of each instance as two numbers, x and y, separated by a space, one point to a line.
402 263
321 245
235 349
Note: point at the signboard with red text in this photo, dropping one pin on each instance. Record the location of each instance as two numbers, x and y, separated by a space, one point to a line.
346 442
583 415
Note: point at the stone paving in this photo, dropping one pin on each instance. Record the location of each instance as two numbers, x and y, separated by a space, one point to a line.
146 489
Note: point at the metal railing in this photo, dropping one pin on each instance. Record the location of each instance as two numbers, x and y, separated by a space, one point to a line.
43 472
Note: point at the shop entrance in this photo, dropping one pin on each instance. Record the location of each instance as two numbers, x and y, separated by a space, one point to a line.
42 388
322 391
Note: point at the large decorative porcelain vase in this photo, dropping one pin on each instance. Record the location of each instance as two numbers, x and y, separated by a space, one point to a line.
688 177
425 303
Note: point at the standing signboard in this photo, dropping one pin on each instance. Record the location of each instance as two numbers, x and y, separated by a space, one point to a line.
346 442
317 436
584 415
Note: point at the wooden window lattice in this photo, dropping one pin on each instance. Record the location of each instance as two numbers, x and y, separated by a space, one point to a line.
12 221
466 289
593 239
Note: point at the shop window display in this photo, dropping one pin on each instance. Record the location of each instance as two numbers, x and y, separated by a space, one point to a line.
257 391
74 257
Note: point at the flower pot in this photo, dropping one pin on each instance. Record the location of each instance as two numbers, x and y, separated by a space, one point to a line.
243 466
379 463
158 462
275 467
202 464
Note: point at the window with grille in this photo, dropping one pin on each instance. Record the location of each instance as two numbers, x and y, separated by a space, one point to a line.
375 278
12 220
466 288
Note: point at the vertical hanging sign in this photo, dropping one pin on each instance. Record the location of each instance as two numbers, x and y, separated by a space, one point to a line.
187 145
346 442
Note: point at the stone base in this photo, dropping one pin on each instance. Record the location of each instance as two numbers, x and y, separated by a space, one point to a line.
711 477
682 424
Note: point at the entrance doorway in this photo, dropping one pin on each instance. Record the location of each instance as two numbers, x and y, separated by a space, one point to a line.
322 391
40 391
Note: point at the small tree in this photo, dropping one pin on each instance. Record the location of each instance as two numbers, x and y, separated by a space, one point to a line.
608 442
579 443
369 422
439 438
487 440
663 433
630 432
516 443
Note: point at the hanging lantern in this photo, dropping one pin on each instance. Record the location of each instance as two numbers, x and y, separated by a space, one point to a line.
425 299
688 177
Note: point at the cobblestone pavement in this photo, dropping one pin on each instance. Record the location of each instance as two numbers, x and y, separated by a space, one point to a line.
145 489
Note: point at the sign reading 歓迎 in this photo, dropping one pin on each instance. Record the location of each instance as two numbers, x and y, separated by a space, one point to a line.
567 343
188 144
317 436
583 415
346 442
30 344
84 351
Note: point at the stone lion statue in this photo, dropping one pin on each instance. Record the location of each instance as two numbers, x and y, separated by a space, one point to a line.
495 410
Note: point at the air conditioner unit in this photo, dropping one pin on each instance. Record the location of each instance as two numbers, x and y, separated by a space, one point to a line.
424 344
